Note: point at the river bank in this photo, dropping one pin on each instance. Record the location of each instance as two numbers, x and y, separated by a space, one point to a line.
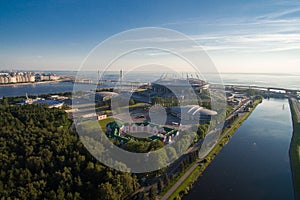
32 83
295 146
255 164
185 183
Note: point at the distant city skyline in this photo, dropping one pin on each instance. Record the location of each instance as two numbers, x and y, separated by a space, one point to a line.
239 36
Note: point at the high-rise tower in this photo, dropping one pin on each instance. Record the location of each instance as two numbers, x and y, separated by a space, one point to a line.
121 75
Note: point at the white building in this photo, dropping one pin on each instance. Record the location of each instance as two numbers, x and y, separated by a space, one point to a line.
193 112
12 79
133 128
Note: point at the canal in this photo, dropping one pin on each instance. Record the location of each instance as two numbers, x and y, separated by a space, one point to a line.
255 163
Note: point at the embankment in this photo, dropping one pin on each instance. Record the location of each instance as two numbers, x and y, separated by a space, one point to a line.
295 146
185 183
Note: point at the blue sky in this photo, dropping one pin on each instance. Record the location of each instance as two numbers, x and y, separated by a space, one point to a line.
239 36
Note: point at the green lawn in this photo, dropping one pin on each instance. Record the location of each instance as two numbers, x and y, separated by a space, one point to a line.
137 105
104 122
95 123
294 151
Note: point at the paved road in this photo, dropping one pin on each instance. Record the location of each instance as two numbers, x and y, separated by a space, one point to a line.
179 182
182 179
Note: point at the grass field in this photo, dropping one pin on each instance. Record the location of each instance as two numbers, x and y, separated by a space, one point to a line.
196 173
91 124
295 150
104 122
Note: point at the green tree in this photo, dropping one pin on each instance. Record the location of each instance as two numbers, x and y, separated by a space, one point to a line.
106 192
152 193
131 102
160 185
5 102
46 157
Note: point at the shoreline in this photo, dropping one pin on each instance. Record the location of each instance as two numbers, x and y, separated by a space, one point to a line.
32 83
195 170
294 151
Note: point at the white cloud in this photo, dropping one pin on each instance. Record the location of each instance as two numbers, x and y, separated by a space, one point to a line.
279 14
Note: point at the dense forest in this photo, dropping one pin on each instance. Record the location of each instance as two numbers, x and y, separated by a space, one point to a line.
42 158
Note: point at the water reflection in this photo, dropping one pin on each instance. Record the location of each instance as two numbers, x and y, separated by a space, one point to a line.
255 163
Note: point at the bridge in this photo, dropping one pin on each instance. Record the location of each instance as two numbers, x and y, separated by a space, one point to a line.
111 82
287 91
134 84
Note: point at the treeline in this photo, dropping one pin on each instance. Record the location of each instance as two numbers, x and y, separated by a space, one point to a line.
42 158
18 99
162 182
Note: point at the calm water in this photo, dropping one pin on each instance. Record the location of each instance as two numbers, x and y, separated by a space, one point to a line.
36 89
290 81
255 163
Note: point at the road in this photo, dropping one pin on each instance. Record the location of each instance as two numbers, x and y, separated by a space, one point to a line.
297 108
179 182
184 177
